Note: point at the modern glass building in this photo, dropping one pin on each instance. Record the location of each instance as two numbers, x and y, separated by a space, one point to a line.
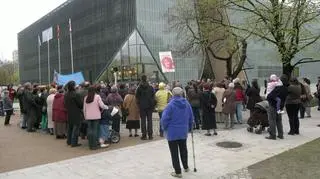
107 34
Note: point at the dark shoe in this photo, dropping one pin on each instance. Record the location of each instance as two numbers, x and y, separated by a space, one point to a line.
308 116
23 127
136 135
215 133
151 138
94 148
297 133
31 130
291 133
187 170
130 135
76 145
176 175
207 134
280 137
143 138
271 138
83 137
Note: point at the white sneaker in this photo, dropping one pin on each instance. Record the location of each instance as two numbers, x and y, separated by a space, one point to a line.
104 145
280 112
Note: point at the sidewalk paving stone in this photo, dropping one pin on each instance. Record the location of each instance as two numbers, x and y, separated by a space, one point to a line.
152 160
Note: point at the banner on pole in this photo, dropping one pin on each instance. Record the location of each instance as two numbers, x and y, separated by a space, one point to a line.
64 79
167 63
47 35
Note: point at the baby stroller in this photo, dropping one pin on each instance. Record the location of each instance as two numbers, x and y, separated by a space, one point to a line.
112 114
259 119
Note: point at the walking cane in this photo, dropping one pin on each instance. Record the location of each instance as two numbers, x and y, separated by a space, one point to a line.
194 156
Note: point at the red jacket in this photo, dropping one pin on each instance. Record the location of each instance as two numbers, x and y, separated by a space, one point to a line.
240 95
59 112
12 93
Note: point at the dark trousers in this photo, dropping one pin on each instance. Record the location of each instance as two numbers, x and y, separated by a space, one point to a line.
160 127
275 122
196 114
177 146
8 116
83 129
292 111
146 116
116 123
31 117
93 130
38 118
73 134
302 110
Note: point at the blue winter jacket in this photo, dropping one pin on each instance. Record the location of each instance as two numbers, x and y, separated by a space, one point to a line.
177 119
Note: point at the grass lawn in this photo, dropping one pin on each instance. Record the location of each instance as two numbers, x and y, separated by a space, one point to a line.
302 162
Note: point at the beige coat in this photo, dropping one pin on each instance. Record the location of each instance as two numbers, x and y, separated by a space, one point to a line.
130 103
229 106
219 94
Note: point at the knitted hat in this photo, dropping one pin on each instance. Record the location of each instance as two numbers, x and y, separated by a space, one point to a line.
177 91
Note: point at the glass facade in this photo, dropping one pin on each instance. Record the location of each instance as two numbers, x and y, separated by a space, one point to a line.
132 60
152 23
126 34
99 28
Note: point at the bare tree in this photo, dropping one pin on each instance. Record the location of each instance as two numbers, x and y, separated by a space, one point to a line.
196 31
291 25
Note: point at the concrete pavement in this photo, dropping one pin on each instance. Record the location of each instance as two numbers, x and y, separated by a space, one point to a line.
152 160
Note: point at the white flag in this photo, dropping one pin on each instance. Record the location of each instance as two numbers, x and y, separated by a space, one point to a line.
39 41
167 63
47 35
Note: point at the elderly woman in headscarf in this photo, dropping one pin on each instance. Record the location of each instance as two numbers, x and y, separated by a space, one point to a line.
208 103
114 99
59 115
229 106
133 118
50 98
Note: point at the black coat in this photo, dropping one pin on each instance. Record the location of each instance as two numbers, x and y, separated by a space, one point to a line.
208 102
279 91
254 97
29 102
20 96
145 97
73 104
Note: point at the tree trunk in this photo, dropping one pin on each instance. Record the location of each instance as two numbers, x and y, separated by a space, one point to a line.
243 58
208 69
229 67
287 69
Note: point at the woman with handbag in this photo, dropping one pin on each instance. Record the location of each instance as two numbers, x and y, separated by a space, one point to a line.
131 110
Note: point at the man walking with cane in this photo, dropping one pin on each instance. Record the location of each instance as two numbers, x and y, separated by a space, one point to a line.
176 121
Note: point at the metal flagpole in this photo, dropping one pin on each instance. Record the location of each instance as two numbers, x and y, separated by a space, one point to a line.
49 60
71 49
39 58
59 57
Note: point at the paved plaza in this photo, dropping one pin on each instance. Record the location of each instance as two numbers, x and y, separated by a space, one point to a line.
152 160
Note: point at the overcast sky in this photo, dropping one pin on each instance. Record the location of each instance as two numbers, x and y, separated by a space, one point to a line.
15 15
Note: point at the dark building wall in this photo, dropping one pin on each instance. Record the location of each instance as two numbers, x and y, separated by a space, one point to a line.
99 28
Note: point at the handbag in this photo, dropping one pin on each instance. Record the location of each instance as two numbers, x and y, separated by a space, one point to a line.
125 111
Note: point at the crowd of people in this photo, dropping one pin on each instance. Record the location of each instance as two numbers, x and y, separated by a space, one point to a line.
72 111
